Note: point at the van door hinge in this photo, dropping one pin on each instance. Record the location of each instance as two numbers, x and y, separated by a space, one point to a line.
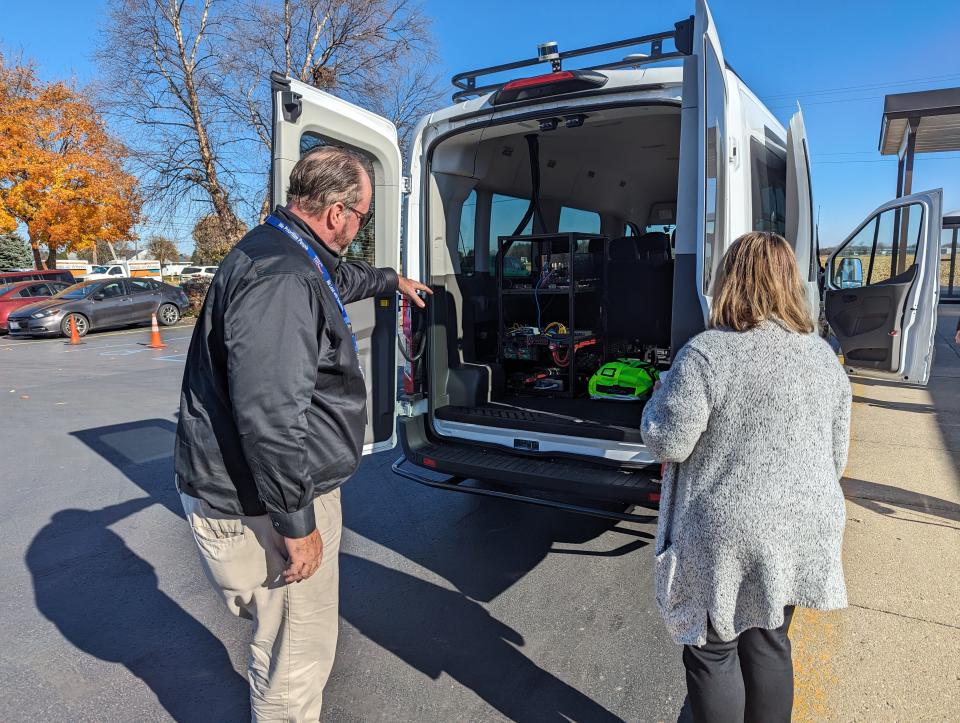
405 184
292 105
412 406
734 158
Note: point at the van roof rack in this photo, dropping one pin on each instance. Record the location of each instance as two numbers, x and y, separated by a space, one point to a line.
682 36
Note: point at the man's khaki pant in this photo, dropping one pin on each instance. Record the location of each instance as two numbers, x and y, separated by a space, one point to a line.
295 625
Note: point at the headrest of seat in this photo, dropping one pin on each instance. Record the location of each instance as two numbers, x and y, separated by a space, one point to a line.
623 249
654 246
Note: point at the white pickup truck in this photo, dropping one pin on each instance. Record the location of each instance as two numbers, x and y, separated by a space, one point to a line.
145 269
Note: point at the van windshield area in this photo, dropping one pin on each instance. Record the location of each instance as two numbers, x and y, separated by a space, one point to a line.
98 269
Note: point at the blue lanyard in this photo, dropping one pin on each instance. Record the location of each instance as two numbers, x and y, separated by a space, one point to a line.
308 250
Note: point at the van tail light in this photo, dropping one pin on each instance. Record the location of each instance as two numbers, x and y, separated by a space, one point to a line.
539 80
542 86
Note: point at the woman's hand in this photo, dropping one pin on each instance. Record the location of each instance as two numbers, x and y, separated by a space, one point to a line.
657 384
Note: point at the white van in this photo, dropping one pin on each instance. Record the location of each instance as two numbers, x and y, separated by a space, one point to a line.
613 190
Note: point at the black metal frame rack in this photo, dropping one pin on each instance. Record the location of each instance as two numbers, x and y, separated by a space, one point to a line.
681 36
542 246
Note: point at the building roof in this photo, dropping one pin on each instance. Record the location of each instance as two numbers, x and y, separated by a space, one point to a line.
938 114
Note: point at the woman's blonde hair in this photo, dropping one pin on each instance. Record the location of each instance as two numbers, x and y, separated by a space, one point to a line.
758 280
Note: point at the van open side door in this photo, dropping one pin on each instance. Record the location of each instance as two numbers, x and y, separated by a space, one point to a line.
882 288
304 117
799 211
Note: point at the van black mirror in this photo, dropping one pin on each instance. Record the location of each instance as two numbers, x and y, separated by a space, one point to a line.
849 273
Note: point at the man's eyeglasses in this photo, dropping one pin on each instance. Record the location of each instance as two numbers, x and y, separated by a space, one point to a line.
363 218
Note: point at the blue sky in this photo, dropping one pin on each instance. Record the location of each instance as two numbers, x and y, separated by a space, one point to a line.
837 58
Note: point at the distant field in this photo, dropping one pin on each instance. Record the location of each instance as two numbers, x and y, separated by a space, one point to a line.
881 269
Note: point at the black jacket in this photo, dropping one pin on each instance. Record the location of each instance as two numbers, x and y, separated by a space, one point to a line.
273 403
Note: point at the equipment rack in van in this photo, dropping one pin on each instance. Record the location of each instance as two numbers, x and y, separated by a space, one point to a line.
551 317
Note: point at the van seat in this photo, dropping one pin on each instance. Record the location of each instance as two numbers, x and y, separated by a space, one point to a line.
653 246
640 289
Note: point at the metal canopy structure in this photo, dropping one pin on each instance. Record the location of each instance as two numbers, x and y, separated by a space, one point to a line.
927 121
930 117
923 122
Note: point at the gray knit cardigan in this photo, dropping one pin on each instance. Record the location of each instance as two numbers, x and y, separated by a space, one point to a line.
755 426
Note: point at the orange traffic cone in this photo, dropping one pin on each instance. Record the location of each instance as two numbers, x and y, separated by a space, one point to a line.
74 334
155 341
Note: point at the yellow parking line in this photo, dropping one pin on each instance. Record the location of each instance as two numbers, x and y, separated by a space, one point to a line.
88 338
815 636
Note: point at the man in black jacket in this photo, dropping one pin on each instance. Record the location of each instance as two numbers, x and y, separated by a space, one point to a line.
272 416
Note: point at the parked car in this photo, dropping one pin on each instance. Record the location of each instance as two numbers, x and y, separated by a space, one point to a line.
198 272
94 305
8 277
20 293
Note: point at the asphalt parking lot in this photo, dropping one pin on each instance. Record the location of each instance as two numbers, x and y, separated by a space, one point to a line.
452 607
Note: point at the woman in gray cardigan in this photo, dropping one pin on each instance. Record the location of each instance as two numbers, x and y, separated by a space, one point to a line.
752 421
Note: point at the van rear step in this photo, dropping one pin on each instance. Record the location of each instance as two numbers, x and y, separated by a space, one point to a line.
593 482
510 418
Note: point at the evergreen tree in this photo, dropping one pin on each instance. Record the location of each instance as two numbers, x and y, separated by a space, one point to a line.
14 252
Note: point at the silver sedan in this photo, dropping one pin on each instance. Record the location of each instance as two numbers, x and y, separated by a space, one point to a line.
92 305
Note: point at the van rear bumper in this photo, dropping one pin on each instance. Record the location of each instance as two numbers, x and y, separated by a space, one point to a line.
583 479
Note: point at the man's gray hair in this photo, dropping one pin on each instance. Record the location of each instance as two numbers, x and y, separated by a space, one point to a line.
327 175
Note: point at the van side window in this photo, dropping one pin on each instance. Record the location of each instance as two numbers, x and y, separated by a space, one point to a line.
715 191
466 243
870 256
505 213
768 187
363 247
576 219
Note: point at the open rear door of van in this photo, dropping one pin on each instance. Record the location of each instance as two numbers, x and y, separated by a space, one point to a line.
799 216
303 118
882 288
702 188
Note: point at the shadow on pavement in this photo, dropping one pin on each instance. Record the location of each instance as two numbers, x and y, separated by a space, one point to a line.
883 498
894 406
482 547
105 599
437 630
432 628
143 451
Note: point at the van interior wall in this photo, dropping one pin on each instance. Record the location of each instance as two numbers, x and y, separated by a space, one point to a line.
618 164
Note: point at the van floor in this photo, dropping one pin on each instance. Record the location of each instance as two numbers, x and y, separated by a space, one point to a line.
600 419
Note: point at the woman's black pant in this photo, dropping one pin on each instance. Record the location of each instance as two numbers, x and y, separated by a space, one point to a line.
747 679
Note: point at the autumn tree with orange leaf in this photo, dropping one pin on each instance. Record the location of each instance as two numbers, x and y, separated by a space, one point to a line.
61 174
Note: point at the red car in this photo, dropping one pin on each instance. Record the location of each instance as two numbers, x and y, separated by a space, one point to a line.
21 293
